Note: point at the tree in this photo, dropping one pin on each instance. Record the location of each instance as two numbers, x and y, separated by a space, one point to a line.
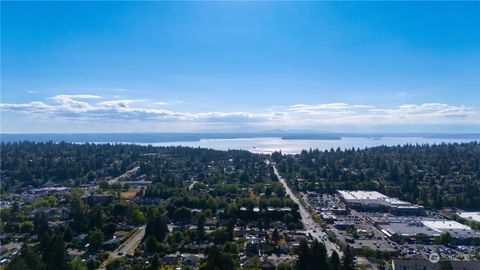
28 260
67 234
116 264
96 238
230 229
201 228
220 236
157 227
183 214
77 264
56 256
303 262
348 259
77 213
136 216
91 177
275 236
93 264
217 260
27 227
96 218
44 246
18 263
40 224
335 261
318 256
154 263
151 244
446 239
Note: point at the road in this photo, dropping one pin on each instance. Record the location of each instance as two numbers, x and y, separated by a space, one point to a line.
124 175
128 247
192 184
309 223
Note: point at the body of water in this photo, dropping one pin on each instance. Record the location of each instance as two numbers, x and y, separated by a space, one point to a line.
271 144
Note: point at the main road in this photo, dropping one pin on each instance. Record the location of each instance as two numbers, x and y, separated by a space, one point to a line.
309 223
124 175
128 247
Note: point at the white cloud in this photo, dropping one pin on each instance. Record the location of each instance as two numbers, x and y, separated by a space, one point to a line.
75 97
87 108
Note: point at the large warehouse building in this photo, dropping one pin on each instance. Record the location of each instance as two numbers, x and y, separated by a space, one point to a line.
376 201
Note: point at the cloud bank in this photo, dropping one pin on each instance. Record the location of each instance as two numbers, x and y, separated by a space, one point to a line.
312 116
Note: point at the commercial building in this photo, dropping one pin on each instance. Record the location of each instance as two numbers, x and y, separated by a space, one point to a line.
376 201
97 198
426 228
472 216
422 264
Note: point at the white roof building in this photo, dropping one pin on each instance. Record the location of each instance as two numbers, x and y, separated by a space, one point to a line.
475 216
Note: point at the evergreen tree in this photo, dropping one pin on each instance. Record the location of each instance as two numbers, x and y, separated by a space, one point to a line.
96 218
45 242
157 227
201 228
348 260
56 256
303 261
318 256
154 263
28 260
217 260
335 261
96 238
67 234
275 236
40 224
78 214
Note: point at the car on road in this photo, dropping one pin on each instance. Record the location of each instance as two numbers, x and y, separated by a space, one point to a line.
120 253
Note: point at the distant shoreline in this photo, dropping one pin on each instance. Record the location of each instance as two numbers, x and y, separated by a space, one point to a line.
195 137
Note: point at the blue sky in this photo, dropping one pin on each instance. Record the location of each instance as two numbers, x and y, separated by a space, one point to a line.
251 66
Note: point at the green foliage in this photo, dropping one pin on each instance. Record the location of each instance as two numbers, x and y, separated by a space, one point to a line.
444 239
54 252
154 263
77 264
335 261
116 264
220 236
27 227
348 259
156 227
28 260
78 213
275 236
41 224
217 259
95 238
312 257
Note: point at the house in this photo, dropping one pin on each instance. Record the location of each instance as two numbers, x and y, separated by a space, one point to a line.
170 259
190 261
